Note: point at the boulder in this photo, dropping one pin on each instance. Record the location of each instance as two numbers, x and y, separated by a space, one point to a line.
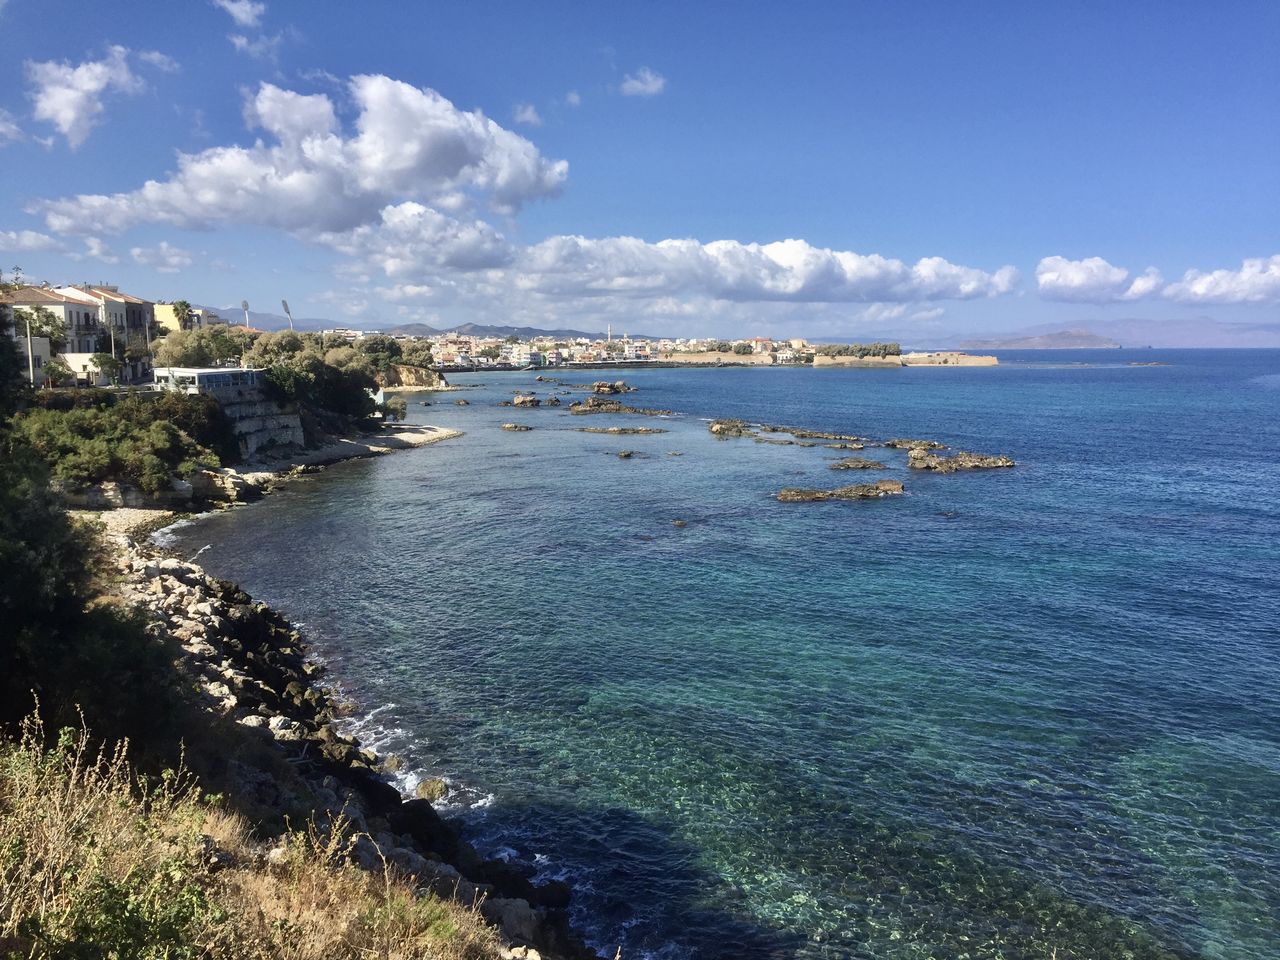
527 400
420 820
462 402
516 427
431 789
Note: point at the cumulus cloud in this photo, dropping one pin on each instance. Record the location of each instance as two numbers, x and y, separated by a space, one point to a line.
246 13
411 239
27 241
70 97
161 61
163 258
643 83
98 250
408 144
788 270
527 113
1093 280
9 129
1257 281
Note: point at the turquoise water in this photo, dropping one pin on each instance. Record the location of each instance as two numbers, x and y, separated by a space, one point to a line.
1022 713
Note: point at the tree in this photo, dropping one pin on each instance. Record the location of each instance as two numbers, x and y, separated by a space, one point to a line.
42 322
56 371
396 408
107 365
183 313
742 349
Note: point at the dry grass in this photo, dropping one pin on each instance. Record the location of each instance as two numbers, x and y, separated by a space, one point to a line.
95 862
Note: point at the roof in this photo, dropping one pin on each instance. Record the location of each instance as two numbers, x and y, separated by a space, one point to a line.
37 295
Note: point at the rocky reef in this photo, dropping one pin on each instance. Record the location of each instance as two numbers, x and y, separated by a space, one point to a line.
901 444
596 404
516 427
857 491
921 459
618 431
858 463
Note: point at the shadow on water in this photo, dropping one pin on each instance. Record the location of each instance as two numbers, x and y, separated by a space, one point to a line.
641 890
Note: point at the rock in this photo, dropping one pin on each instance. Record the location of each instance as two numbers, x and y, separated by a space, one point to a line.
431 789
823 435
858 463
901 444
527 400
844 446
552 401
515 918
921 459
420 820
857 491
463 402
730 428
626 454
619 431
594 404
517 427
679 524
605 387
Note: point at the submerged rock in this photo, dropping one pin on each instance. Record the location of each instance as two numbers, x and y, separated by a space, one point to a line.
626 454
463 402
617 431
858 463
857 491
844 446
921 459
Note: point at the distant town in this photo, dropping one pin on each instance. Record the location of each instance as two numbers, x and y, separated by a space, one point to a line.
98 334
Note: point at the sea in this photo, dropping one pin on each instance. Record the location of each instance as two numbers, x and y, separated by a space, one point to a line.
1017 713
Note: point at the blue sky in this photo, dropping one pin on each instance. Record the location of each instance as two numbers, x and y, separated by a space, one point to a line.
841 170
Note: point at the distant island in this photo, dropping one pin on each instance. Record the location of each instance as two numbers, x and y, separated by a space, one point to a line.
1062 340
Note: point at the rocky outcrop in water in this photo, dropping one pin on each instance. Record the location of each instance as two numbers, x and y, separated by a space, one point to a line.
526 400
921 459
605 387
727 427
857 491
901 444
858 463
517 427
594 404
618 431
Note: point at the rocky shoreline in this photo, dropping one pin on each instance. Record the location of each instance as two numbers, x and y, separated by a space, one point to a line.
248 668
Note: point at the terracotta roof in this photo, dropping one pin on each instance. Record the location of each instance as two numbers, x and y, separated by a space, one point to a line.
33 295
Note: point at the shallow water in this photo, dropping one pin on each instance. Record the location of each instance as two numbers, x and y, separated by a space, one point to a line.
1010 713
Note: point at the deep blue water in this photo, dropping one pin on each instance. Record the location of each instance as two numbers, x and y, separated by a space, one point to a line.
1019 713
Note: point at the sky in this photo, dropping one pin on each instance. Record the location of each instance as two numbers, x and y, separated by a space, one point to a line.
839 170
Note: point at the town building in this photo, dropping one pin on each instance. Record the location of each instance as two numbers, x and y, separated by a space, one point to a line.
167 320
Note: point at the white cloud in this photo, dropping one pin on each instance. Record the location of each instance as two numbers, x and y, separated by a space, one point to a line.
9 129
263 47
527 113
164 258
573 98
1093 280
27 241
246 13
98 250
643 83
161 61
788 270
412 239
409 144
1257 281
71 97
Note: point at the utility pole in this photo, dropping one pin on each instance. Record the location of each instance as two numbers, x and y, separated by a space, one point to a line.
31 356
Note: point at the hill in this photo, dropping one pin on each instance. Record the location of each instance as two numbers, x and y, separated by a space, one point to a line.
1058 340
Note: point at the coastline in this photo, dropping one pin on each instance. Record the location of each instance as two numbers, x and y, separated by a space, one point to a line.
281 755
263 475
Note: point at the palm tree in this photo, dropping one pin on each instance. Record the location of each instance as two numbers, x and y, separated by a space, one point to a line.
183 313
